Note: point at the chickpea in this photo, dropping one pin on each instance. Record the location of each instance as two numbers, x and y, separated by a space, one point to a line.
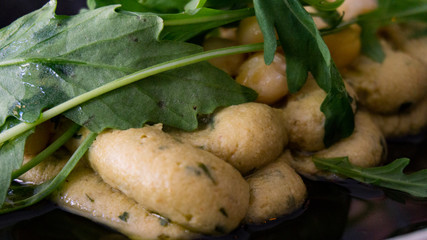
269 81
228 33
344 45
229 64
249 31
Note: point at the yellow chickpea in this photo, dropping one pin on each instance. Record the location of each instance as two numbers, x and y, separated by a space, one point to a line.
344 45
249 31
269 81
229 64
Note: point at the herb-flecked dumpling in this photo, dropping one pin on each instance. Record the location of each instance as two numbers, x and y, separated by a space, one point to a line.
276 190
187 185
248 136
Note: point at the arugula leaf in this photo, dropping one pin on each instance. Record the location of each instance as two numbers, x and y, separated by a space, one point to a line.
47 151
11 158
186 24
325 5
59 58
388 12
306 52
163 99
389 176
183 26
43 190
158 6
165 6
228 4
332 18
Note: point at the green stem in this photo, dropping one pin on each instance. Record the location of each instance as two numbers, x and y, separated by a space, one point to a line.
47 188
233 14
325 5
46 152
126 80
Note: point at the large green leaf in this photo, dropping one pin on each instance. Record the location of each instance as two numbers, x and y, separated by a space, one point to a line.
306 52
46 59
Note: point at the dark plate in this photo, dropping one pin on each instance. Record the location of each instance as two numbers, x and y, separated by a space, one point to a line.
340 210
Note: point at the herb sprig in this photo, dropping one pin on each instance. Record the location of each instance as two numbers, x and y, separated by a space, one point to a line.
300 38
388 176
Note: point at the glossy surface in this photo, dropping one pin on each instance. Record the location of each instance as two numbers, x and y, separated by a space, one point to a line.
346 210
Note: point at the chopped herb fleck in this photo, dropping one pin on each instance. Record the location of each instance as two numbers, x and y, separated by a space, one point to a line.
90 199
222 210
207 172
188 217
164 221
194 170
124 217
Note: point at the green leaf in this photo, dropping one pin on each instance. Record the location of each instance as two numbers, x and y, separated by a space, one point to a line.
48 59
130 5
332 18
172 99
53 147
183 26
158 6
389 176
194 20
306 52
11 158
43 190
193 6
165 6
228 4
129 79
388 12
325 5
